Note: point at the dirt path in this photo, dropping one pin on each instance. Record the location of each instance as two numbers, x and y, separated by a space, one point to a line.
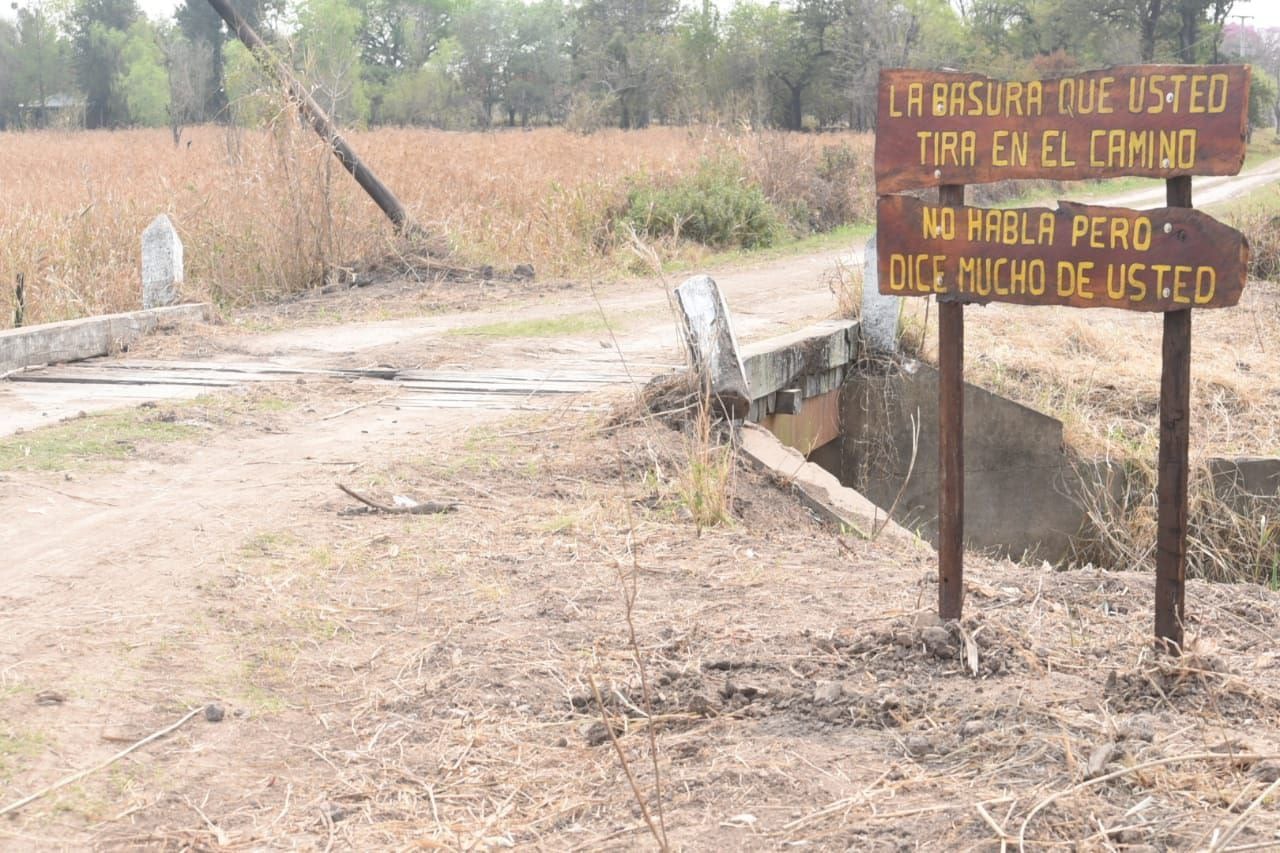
426 681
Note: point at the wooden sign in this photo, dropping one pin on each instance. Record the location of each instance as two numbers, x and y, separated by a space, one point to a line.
1079 255
948 130
1162 121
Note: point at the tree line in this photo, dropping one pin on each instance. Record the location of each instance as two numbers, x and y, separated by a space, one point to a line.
464 64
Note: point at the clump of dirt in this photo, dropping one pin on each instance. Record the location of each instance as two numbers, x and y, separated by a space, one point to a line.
882 679
927 646
1193 682
670 397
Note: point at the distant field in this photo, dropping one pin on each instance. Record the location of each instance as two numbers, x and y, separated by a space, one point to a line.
270 212
267 212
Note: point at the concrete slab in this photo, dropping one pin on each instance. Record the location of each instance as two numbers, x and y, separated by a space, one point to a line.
1243 479
819 489
74 340
813 359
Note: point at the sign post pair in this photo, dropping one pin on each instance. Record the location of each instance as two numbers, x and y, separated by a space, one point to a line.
948 130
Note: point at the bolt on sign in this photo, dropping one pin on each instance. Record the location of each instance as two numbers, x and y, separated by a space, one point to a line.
1159 121
1078 255
947 130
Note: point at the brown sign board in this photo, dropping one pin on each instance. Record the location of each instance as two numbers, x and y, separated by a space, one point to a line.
1084 256
1161 121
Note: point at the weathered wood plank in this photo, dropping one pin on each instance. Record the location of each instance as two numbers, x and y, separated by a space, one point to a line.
1080 255
950 444
1173 464
936 127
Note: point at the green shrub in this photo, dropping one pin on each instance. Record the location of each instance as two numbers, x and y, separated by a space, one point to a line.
716 206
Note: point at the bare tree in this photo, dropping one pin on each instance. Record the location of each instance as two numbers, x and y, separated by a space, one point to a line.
190 67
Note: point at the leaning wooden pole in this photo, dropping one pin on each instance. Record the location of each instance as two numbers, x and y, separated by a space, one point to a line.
950 441
1171 485
319 119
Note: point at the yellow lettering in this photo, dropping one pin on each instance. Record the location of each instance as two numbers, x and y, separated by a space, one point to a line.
1047 157
1180 283
1066 279
1206 284
1047 223
897 272
1196 102
939 222
1082 279
1115 282
1218 93
1013 101
1160 270
1158 106
915 99
998 157
1142 234
1137 287
1079 228
1037 278
1178 80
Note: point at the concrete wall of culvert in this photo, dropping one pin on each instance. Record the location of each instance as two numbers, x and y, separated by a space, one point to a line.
1025 491
1021 486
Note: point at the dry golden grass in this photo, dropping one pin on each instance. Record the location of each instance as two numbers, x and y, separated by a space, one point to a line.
268 212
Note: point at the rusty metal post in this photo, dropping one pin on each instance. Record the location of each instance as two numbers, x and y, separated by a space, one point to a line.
1171 488
950 443
319 119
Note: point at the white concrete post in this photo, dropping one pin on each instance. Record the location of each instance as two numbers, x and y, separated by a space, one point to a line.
713 347
879 312
161 263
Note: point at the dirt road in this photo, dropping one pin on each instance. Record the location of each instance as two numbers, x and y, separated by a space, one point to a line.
429 681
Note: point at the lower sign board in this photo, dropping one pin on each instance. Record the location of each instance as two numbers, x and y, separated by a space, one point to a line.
1167 259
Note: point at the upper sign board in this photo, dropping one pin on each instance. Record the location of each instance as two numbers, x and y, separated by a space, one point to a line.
1160 121
1167 259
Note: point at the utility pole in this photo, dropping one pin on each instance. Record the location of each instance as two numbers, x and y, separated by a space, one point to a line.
320 121
1242 19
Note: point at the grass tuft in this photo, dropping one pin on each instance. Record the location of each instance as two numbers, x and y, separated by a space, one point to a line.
534 328
92 439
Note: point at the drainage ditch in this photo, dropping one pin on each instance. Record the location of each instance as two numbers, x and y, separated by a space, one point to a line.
1027 495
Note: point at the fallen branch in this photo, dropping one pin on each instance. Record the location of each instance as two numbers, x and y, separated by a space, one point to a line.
349 409
1159 762
426 508
1220 842
76 777
659 837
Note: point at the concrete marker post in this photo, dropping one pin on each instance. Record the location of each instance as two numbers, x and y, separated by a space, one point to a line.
161 263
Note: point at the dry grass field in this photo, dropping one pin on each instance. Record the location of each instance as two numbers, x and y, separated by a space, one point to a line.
263 213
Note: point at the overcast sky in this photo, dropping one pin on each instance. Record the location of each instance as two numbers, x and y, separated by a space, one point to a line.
1266 12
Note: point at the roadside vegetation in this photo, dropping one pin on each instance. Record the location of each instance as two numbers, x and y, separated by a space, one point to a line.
268 213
